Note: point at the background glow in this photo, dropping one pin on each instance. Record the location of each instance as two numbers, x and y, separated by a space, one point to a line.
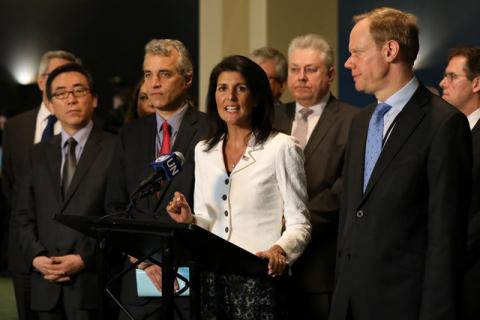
24 70
23 61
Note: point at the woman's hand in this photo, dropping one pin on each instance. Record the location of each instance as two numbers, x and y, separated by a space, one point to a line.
179 210
277 259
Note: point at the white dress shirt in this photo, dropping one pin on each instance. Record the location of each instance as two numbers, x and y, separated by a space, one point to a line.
473 118
41 123
246 208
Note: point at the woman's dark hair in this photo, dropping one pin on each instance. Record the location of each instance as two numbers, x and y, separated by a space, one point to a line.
259 87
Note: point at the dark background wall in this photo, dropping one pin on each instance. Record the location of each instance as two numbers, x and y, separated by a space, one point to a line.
443 25
108 35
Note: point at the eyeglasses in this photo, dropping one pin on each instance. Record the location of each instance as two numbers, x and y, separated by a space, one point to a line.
450 76
275 79
307 69
77 92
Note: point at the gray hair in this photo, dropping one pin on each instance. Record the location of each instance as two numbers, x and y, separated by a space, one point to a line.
263 54
316 42
164 48
57 54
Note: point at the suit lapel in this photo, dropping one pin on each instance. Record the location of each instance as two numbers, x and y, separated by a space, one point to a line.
476 129
327 119
187 131
357 145
90 152
249 157
284 117
148 139
54 159
408 120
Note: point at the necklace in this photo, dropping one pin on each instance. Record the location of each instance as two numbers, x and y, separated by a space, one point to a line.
233 156
233 152
235 159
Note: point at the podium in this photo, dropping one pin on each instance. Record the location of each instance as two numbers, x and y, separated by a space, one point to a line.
168 244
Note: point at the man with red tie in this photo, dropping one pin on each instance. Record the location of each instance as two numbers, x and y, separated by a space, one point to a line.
176 126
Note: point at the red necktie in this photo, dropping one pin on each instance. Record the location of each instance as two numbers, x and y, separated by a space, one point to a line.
166 138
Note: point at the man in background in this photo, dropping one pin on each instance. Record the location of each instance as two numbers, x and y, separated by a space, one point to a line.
320 122
274 64
461 88
21 132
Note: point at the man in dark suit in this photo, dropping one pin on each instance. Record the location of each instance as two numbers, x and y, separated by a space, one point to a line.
461 88
176 126
403 209
21 132
311 72
66 174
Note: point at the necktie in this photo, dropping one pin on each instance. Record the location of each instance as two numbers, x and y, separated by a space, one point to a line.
69 165
374 140
48 131
165 138
301 130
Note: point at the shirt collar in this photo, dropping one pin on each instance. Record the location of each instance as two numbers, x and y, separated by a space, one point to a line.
174 121
43 113
400 98
80 136
473 118
317 108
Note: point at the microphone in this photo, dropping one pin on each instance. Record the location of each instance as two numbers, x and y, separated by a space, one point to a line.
165 168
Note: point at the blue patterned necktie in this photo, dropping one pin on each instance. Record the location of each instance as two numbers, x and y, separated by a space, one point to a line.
374 141
48 131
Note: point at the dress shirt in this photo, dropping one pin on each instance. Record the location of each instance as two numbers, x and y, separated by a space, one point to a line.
41 123
81 137
175 121
473 118
247 206
313 118
398 101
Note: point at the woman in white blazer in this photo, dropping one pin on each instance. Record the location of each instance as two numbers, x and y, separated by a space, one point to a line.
250 189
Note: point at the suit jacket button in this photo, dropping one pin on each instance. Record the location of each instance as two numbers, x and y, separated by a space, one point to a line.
224 197
227 181
359 213
348 256
226 213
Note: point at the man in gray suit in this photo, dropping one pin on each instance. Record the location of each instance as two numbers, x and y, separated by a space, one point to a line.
321 123
21 132
65 174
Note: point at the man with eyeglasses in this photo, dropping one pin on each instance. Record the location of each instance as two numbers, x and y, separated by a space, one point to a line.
21 132
274 64
461 88
65 175
321 123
